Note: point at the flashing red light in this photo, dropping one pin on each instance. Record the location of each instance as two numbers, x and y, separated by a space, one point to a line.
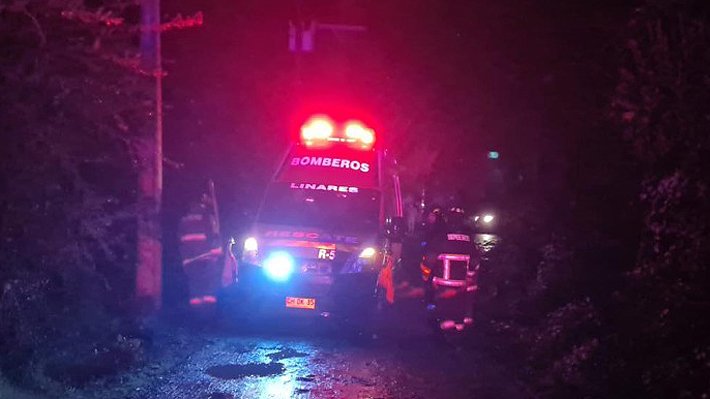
320 130
318 127
357 132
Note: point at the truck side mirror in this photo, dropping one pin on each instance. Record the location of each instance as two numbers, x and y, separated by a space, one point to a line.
394 228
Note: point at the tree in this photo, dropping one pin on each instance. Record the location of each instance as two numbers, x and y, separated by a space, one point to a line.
72 114
661 101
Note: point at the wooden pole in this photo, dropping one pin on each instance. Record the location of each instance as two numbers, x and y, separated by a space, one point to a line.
149 265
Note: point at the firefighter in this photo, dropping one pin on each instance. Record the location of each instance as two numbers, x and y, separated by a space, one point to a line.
431 221
201 251
449 267
432 227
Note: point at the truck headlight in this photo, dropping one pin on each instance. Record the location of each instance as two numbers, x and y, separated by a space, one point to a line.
279 266
251 250
251 245
368 253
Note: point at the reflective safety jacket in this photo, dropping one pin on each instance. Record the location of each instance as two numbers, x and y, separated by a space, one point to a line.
451 257
450 241
198 237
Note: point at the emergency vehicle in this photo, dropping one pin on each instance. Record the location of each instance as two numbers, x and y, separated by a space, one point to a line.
322 241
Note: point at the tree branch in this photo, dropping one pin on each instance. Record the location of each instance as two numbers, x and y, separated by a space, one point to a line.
38 27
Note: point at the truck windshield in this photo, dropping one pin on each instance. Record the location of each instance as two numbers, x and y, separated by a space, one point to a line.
326 207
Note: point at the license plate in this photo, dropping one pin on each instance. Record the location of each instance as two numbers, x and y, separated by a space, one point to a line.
300 303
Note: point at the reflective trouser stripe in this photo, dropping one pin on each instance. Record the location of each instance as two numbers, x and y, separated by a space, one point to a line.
193 237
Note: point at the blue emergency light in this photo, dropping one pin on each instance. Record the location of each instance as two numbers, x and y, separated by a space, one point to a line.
279 266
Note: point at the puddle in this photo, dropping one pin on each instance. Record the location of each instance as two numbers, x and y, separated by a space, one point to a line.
307 378
286 354
236 371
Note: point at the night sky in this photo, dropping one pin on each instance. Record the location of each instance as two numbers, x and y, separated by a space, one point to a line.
443 82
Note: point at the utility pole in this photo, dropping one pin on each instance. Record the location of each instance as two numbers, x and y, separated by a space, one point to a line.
302 40
150 175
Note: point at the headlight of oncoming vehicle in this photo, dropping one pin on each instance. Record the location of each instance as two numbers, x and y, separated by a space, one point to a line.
485 219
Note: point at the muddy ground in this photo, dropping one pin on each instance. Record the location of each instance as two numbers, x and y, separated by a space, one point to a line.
183 355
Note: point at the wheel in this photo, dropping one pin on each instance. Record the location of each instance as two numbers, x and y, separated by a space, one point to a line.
233 309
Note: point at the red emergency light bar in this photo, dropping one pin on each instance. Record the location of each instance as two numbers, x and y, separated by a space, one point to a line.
319 127
356 132
320 131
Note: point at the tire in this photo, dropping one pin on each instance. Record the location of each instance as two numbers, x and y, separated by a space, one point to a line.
361 320
231 307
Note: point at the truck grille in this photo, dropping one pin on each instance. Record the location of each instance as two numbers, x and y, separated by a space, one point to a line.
309 266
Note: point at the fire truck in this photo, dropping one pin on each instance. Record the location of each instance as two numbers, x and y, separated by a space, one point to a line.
325 238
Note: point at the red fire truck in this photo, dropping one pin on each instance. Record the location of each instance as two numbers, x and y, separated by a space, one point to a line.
325 237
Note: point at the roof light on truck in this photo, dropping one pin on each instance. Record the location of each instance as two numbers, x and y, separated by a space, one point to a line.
317 128
356 132
321 131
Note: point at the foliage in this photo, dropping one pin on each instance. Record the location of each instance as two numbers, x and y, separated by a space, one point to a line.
597 308
661 101
543 317
71 117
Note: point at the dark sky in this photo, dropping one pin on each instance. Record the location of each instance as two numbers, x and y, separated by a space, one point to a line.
457 77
